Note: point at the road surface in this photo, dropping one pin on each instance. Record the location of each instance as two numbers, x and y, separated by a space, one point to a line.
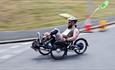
100 55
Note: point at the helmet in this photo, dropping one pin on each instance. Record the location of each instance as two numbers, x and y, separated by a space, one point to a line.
72 20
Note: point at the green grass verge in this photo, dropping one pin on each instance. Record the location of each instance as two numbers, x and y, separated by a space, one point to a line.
32 14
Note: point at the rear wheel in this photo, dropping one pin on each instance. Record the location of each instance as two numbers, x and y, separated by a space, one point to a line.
59 51
81 45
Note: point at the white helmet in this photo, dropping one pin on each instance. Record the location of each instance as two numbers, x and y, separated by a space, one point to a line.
72 18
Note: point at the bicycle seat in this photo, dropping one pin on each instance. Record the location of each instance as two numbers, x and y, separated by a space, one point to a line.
61 43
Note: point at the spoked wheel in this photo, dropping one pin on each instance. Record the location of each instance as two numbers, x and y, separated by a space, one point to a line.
59 52
81 45
43 50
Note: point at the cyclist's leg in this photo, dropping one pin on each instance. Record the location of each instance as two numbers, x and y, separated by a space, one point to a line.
57 34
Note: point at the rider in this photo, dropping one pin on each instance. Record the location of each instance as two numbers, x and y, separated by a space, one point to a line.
70 34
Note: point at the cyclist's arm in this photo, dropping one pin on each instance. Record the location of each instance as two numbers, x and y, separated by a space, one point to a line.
75 35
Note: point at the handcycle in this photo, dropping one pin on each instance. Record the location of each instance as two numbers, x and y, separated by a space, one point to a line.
58 49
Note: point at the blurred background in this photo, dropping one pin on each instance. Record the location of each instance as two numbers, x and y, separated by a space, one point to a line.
33 14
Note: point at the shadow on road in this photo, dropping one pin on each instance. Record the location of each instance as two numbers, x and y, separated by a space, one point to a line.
41 58
68 57
75 56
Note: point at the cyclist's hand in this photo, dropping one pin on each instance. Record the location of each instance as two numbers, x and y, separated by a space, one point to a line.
65 39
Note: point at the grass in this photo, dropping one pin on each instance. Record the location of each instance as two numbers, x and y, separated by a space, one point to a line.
32 14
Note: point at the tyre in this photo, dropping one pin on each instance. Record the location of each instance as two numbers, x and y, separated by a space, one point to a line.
44 51
35 45
81 45
59 51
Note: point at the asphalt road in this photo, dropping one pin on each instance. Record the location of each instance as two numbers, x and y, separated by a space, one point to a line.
100 55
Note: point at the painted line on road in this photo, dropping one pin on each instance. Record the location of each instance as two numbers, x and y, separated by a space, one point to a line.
3 50
13 53
111 26
6 56
20 51
13 47
27 43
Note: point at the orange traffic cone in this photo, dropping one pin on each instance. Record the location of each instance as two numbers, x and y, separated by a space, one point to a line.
88 27
102 25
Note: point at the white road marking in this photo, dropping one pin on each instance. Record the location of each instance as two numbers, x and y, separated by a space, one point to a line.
27 43
15 46
8 49
111 26
20 51
13 53
6 56
3 50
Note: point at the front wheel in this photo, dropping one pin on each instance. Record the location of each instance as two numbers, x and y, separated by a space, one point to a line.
35 44
44 51
81 45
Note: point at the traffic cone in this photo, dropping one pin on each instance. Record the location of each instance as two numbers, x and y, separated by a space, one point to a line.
88 27
102 25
